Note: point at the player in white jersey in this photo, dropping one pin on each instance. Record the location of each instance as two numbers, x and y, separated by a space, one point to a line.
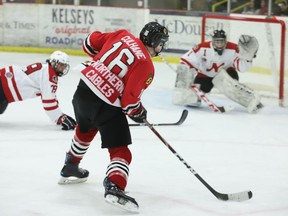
37 79
217 63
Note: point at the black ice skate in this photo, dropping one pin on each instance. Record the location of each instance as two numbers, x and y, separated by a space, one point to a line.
117 197
71 173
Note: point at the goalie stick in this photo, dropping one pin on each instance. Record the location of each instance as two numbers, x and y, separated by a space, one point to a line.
219 109
179 122
240 196
203 97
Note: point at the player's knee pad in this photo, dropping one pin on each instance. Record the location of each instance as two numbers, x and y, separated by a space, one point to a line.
85 137
122 152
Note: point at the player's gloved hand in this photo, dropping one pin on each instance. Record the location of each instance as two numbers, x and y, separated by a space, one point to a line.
139 115
67 122
248 47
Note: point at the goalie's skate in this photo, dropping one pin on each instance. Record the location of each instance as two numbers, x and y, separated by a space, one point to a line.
71 173
115 196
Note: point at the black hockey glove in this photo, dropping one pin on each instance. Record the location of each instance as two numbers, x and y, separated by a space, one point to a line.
139 115
67 122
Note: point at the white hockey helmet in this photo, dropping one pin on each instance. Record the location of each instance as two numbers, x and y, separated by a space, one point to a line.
60 62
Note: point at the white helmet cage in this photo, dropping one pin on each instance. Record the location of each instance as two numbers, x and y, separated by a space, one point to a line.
58 59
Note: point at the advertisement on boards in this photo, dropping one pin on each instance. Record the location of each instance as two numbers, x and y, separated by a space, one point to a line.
184 31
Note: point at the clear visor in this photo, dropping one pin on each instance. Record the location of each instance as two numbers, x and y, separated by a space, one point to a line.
164 44
62 68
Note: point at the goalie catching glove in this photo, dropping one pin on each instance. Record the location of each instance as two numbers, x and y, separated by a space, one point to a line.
67 122
248 47
139 115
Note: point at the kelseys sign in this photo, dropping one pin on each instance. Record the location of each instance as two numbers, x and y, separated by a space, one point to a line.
69 25
72 16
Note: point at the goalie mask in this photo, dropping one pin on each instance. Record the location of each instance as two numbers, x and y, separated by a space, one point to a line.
153 34
59 62
219 41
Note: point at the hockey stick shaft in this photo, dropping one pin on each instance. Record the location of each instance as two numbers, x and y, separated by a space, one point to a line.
206 100
241 196
179 122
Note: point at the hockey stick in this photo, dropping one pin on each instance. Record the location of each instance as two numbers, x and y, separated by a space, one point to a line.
202 96
240 196
179 122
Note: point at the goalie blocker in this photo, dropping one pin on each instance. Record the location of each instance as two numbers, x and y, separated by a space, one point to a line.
237 92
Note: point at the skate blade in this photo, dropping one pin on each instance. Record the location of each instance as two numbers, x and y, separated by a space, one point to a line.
71 180
127 205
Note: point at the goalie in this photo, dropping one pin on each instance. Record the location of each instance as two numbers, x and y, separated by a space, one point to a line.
217 63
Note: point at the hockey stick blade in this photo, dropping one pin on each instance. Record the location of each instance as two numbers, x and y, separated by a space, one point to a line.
239 197
226 108
179 122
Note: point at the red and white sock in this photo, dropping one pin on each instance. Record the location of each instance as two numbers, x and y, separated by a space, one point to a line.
118 169
80 144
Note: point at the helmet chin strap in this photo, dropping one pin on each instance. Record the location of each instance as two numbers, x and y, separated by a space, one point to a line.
157 53
151 51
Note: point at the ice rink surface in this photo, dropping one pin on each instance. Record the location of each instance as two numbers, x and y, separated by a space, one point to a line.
233 152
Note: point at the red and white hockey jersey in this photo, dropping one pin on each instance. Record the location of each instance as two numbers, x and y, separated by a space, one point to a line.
121 71
207 62
38 79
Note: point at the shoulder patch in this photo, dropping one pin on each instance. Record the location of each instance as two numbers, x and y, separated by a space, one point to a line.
149 80
9 75
55 79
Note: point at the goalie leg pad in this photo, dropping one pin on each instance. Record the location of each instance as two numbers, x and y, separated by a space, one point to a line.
184 96
237 92
185 76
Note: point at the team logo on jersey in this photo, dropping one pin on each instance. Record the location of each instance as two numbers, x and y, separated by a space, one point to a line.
9 75
149 80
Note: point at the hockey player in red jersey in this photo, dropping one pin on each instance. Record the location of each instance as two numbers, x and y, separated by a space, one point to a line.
217 63
110 88
38 79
